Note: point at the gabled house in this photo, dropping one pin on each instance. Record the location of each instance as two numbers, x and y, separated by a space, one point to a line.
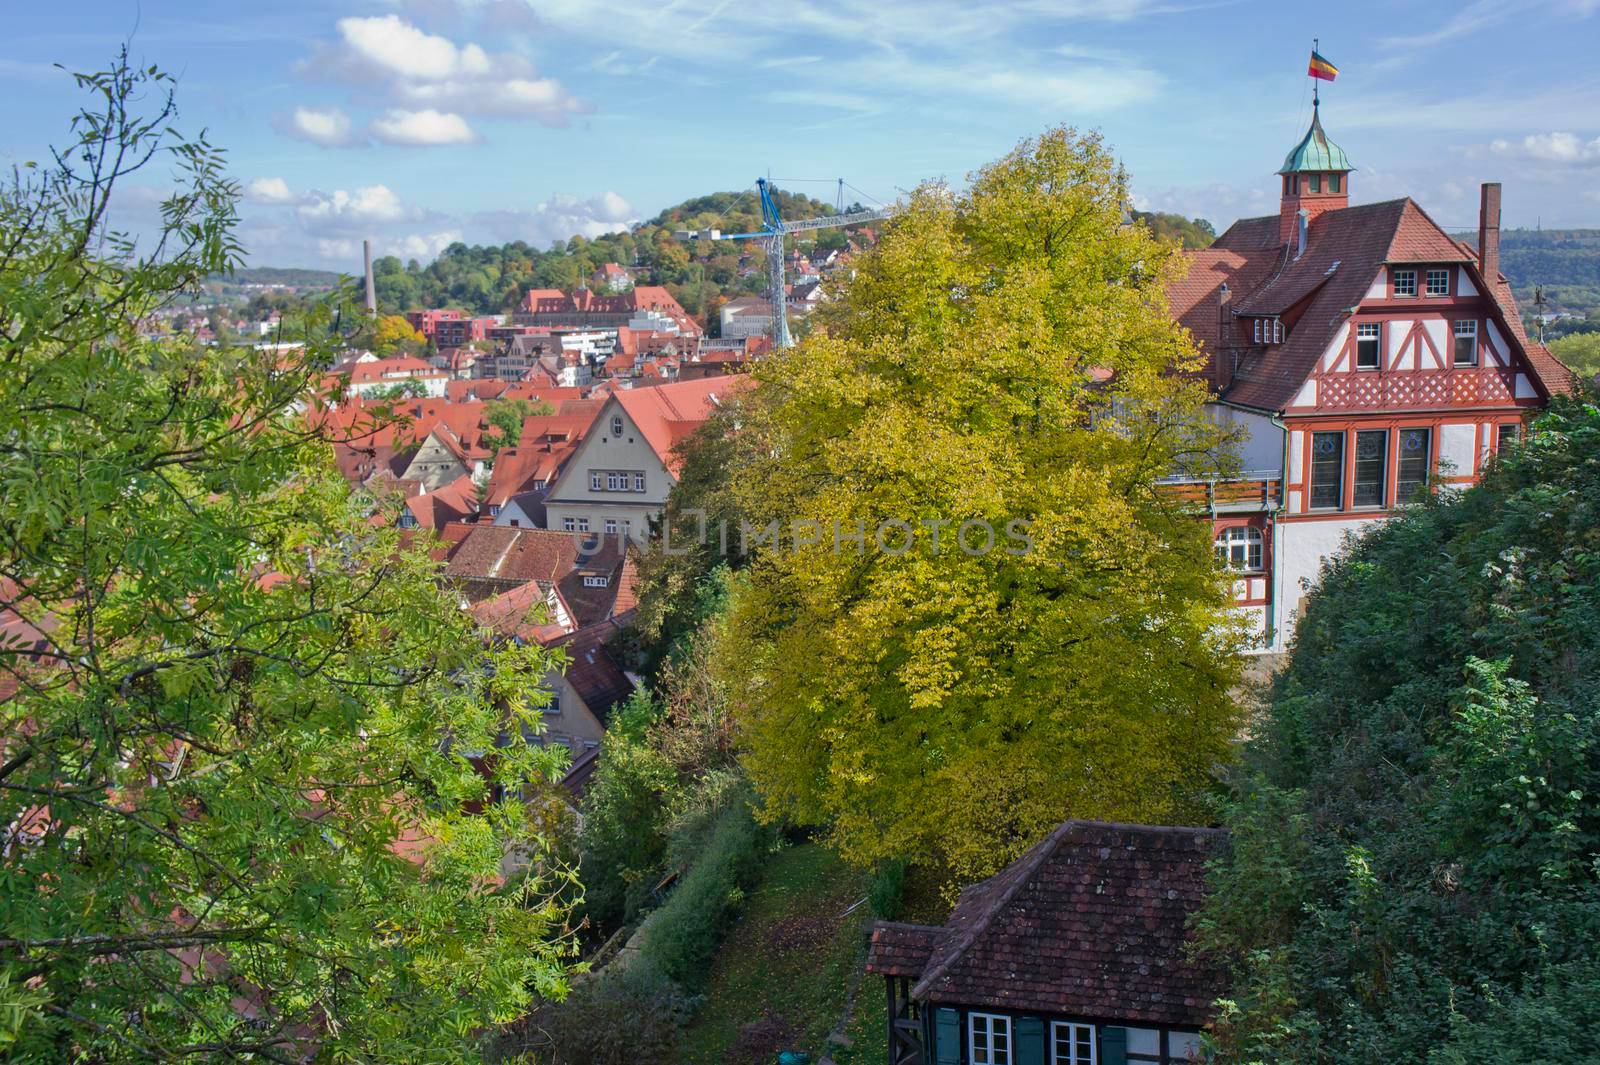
1074 954
1365 354
618 479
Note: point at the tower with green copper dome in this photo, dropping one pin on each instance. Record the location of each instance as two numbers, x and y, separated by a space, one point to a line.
1316 178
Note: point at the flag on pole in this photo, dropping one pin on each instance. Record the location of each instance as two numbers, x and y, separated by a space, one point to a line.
1320 68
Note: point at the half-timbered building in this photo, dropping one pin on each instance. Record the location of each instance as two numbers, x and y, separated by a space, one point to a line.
1075 954
1366 355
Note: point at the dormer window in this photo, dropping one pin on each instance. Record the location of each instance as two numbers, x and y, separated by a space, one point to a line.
1439 282
1405 282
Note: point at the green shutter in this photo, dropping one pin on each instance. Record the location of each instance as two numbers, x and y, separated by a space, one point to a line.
947 1036
1113 1046
1030 1041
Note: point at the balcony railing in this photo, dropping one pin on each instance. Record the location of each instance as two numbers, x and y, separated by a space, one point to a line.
1251 490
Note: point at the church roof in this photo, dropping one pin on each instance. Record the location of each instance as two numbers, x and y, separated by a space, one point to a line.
1315 151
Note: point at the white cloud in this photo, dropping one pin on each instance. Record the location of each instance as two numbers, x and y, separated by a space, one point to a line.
423 246
1554 147
391 45
558 218
269 190
430 83
372 203
425 128
327 126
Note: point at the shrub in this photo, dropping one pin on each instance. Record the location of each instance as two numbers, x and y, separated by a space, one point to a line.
886 892
626 1014
680 937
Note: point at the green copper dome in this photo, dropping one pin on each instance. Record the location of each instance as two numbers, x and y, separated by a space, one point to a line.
1315 152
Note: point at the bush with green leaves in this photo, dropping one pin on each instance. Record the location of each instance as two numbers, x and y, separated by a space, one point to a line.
1415 868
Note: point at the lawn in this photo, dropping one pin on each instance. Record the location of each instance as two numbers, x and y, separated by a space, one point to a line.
781 978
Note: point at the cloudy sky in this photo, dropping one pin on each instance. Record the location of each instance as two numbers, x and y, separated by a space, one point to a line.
421 122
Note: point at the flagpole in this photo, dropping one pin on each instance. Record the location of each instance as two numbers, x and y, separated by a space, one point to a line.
1316 99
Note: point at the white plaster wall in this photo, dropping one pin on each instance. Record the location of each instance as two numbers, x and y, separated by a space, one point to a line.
1396 336
1335 350
1525 389
1262 448
1302 547
1497 344
1456 446
1464 285
1380 285
1435 328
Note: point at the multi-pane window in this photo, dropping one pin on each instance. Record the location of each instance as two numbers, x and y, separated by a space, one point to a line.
1413 466
596 480
1367 345
1438 282
1071 1044
990 1037
569 524
1277 331
611 526
1256 332
1327 471
1239 547
616 426
1466 343
1372 467
1506 434
594 582
638 482
1405 282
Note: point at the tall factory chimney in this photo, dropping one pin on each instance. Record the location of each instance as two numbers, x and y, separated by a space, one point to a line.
372 293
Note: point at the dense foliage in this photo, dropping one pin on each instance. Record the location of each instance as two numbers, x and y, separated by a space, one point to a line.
1416 865
936 692
237 715
1565 263
1580 351
1188 232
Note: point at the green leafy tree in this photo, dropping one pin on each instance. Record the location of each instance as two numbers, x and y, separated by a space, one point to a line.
238 717
949 700
1413 872
1581 352
507 416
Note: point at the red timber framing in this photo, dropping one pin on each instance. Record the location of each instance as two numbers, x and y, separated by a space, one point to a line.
1490 431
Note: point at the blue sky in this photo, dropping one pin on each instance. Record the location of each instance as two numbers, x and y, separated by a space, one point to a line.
418 122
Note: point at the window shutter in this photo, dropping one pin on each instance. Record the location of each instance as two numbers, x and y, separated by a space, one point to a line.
1030 1041
947 1039
1113 1046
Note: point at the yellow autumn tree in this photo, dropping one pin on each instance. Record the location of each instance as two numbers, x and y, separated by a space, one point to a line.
971 611
392 334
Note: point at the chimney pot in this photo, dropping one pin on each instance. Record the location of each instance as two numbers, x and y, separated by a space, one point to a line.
1489 232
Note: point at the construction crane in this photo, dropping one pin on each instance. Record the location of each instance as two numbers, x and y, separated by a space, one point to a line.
774 229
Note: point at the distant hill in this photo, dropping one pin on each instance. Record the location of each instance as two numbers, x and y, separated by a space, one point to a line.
1565 263
488 279
289 276
1189 232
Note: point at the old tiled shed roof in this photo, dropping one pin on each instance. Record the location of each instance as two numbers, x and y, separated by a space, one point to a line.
1091 922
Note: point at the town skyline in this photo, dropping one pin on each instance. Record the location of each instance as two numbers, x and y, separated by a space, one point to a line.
421 122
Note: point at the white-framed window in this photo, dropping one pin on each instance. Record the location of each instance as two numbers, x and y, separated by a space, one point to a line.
595 582
583 524
569 524
1277 331
408 520
596 480
494 510
1239 547
554 705
1368 345
989 1038
1438 282
611 526
616 482
1071 1044
1466 343
1405 282
1256 332
616 425
638 482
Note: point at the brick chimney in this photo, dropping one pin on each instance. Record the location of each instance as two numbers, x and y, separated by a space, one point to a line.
1489 232
1221 367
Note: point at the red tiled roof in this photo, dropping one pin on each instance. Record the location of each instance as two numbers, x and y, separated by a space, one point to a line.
452 503
1345 249
1091 922
599 681
666 414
